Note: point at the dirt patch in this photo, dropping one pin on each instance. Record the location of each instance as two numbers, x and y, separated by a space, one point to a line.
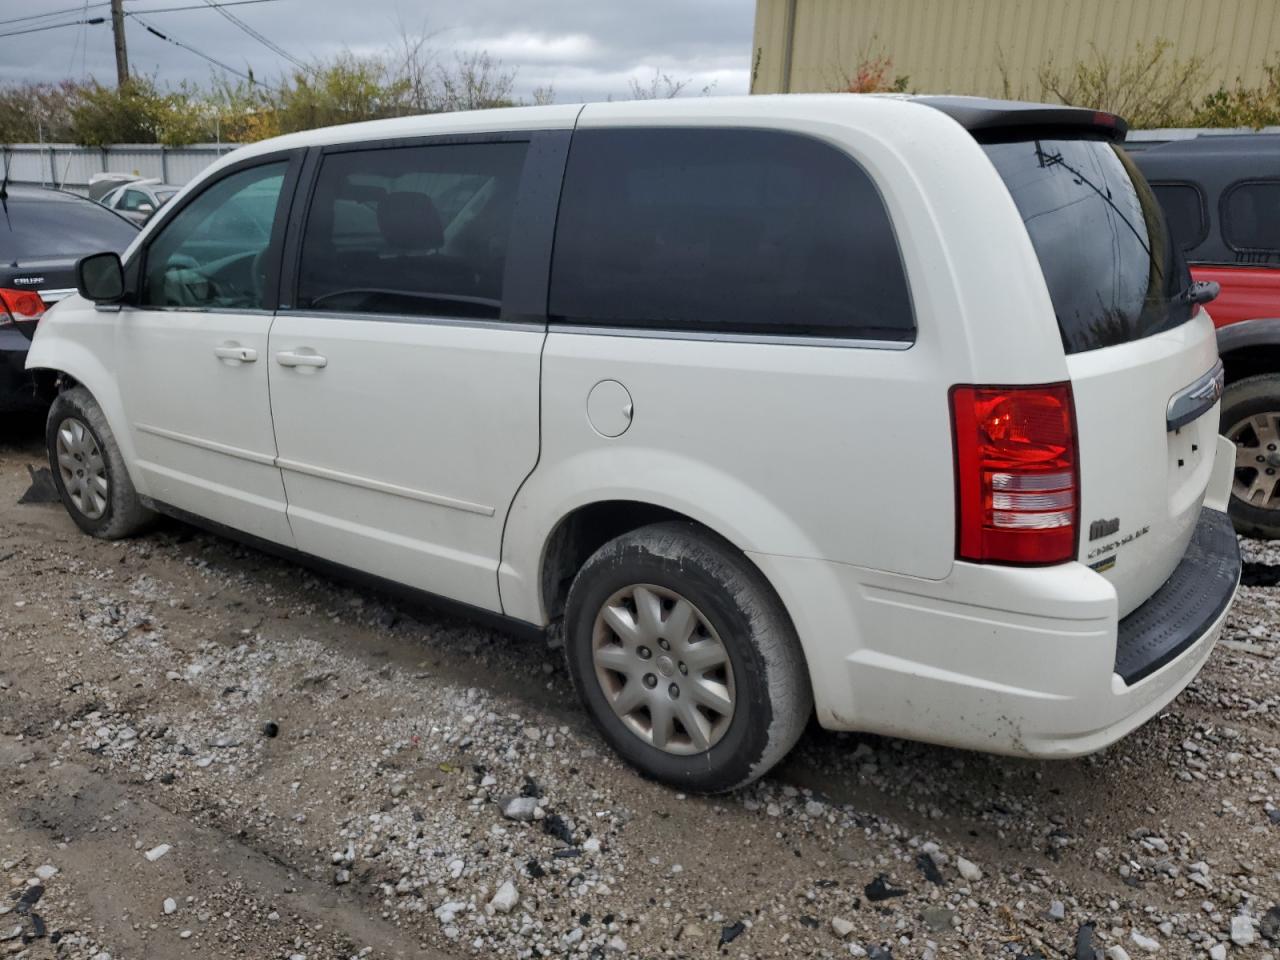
330 772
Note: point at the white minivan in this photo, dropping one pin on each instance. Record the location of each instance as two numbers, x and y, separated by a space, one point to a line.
902 410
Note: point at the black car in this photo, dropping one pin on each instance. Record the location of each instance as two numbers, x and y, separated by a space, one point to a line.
42 235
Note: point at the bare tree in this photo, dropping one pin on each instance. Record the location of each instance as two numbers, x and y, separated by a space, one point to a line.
431 84
475 81
414 63
543 95
660 87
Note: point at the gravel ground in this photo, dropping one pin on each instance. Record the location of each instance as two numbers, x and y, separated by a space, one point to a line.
205 751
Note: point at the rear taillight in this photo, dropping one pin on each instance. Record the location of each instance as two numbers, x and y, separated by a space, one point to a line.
23 306
1017 477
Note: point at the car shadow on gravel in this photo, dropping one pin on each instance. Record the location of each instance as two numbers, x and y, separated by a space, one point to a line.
915 783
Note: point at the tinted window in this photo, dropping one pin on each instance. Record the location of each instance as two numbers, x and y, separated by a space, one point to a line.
749 231
1113 273
416 230
31 229
1184 210
212 253
1251 216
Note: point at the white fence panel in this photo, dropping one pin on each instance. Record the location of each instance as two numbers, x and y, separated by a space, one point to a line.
26 163
187 164
140 159
68 167
74 165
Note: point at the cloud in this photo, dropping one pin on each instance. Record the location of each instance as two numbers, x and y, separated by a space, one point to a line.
586 50
537 48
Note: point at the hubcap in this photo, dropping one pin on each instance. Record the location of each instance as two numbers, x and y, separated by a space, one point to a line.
80 463
1257 441
663 669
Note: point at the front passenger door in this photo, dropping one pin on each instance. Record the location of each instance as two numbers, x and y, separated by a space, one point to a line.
192 349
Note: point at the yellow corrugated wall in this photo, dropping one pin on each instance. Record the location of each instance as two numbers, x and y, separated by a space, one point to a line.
956 46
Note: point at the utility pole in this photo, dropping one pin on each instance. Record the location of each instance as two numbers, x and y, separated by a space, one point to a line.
122 55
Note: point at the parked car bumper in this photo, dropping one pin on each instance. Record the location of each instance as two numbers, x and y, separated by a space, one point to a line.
1024 661
17 385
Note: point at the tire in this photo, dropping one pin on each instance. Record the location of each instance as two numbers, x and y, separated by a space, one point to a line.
89 447
692 577
1243 400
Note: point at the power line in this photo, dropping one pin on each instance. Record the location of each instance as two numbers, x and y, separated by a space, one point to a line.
190 49
196 6
92 21
82 42
55 13
95 21
84 8
269 44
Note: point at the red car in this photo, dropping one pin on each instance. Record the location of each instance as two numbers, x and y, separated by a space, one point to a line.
1221 196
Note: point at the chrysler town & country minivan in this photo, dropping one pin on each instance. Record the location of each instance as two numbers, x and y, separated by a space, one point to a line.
900 410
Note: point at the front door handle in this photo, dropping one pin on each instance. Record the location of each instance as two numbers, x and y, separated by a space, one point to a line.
243 354
291 359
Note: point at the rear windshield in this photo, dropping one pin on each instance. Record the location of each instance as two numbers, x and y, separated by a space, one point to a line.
1113 273
48 229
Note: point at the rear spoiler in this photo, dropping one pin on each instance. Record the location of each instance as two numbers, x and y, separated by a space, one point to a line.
993 120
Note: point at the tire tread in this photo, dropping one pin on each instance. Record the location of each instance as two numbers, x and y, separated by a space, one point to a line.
788 690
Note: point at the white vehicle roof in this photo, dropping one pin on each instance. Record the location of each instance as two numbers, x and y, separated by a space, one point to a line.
974 113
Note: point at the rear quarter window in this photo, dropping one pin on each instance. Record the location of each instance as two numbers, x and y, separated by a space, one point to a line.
1184 209
1251 218
725 230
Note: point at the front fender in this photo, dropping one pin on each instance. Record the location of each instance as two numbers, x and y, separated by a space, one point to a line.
719 501
78 340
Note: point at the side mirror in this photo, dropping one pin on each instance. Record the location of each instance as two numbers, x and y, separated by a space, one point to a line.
100 277
145 207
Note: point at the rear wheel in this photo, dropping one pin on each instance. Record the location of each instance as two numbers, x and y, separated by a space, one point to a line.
1251 421
88 469
685 658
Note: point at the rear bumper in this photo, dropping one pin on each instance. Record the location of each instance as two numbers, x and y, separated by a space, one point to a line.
1195 596
17 385
1005 660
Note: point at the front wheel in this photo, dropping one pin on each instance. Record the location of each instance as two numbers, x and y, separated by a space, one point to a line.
88 468
685 658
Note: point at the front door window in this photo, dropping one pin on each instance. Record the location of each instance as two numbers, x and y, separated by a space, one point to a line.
212 255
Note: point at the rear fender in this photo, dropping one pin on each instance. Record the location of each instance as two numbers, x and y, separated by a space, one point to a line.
722 503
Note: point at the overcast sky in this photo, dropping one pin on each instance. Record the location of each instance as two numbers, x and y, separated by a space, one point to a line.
585 49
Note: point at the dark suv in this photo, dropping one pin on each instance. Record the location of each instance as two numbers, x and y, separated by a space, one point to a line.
1221 196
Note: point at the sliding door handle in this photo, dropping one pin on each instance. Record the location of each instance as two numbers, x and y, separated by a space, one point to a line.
290 359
